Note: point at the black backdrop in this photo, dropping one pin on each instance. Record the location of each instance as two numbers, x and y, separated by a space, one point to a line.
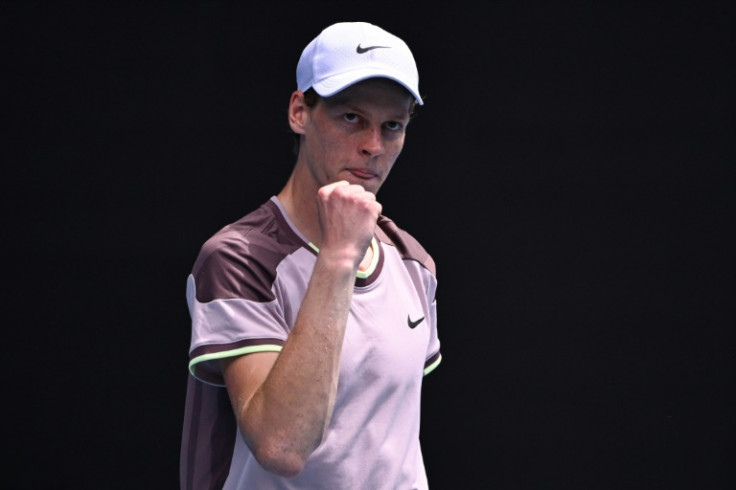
570 173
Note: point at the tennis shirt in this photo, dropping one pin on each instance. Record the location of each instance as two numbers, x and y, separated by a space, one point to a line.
244 293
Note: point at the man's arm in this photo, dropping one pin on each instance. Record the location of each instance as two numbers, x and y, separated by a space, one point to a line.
283 401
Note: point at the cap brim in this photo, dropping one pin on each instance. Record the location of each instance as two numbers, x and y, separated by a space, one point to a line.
336 83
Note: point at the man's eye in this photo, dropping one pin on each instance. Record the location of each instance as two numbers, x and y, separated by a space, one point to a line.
393 126
350 117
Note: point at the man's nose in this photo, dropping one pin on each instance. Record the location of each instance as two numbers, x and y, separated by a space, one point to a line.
372 142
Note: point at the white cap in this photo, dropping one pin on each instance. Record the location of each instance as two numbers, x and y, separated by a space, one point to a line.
348 52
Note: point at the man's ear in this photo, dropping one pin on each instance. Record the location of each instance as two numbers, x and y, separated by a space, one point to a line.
297 112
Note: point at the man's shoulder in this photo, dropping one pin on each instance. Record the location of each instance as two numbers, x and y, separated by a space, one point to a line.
241 259
255 222
406 244
262 231
261 225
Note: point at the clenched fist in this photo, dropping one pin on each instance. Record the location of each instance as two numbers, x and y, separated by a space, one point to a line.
347 217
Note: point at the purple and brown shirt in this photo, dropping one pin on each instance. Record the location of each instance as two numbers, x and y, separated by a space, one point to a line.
244 294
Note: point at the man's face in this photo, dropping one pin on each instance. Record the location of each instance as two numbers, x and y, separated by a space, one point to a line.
357 134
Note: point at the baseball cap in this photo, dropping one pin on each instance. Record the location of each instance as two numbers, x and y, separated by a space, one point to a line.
349 52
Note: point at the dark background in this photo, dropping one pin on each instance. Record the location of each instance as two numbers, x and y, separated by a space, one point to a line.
571 173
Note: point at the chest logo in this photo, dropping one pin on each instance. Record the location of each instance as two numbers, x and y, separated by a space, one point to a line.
413 323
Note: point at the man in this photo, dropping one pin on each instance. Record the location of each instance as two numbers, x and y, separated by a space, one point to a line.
314 316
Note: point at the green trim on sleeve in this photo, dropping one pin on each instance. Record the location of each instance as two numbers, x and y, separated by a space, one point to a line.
432 366
232 353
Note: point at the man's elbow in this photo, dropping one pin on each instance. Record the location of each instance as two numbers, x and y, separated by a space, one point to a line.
281 461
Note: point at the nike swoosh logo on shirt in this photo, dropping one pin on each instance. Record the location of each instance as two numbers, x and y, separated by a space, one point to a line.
413 324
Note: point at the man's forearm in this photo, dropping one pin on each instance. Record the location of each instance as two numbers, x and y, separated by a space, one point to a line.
287 416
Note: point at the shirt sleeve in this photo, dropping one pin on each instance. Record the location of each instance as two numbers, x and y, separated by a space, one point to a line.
233 311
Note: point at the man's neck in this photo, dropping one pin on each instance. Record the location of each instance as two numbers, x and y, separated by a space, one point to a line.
301 206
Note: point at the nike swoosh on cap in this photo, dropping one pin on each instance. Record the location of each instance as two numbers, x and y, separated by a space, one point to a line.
360 49
413 324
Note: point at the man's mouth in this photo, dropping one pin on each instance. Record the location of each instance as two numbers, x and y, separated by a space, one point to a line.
363 173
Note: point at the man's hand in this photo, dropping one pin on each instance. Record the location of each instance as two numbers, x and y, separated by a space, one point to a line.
347 215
